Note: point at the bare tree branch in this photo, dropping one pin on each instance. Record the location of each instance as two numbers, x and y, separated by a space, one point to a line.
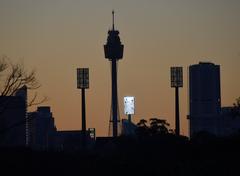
13 77
3 64
34 102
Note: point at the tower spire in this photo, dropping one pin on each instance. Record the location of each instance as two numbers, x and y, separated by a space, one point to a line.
113 20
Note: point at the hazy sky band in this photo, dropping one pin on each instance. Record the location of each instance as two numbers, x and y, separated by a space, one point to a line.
57 36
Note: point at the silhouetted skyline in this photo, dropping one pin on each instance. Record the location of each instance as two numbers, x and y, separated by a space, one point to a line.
56 37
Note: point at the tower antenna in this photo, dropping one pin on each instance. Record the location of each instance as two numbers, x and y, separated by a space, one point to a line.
113 20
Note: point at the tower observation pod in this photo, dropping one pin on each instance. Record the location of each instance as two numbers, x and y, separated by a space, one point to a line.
113 52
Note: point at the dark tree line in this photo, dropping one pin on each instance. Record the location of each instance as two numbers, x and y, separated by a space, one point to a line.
156 127
236 108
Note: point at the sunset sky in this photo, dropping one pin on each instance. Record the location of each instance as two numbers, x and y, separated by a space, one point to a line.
57 36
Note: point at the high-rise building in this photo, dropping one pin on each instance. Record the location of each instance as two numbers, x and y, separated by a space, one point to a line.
229 123
204 98
41 128
13 111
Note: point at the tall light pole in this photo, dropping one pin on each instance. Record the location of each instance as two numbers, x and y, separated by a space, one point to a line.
83 83
176 82
113 51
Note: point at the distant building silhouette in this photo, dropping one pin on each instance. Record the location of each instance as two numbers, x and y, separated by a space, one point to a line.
35 129
43 134
73 140
229 124
41 128
128 128
205 112
13 117
204 97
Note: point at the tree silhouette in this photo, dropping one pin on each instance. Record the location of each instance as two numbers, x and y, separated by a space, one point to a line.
15 76
142 123
142 128
156 127
237 104
236 108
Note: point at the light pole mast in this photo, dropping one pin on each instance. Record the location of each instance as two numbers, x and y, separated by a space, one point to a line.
113 52
83 83
176 82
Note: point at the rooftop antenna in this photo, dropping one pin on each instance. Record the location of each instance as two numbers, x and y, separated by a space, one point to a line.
113 20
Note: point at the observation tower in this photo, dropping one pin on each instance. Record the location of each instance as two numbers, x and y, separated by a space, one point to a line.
113 52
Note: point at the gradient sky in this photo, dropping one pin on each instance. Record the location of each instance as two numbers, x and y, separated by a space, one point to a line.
57 36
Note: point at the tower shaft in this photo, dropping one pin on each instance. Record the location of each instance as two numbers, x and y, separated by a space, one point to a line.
114 98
